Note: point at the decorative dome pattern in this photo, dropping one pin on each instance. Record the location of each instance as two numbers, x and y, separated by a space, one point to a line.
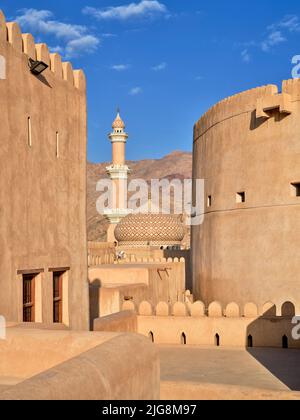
118 123
150 230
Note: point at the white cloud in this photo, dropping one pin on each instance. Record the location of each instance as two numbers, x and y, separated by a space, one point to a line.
120 67
246 57
56 49
86 44
109 35
160 67
289 22
276 34
136 91
273 39
76 38
144 8
42 21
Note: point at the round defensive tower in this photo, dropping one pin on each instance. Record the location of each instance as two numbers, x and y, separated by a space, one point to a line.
247 149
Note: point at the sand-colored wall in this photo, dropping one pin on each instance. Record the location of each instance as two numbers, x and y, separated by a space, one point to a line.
105 301
42 192
125 321
101 253
167 283
155 253
199 326
232 332
118 275
111 286
102 369
27 352
249 251
168 324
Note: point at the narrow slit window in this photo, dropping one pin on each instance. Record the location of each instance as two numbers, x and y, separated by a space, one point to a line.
57 297
209 201
29 132
57 144
217 340
29 298
296 189
183 339
241 197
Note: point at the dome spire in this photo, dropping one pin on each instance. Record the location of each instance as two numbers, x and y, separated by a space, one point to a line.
118 123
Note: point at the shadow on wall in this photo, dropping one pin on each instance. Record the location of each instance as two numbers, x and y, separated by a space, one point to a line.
43 80
281 360
186 254
257 122
94 288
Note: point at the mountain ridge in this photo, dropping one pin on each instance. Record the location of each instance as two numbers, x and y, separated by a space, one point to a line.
175 165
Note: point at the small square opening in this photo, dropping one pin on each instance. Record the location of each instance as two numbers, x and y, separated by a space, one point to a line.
296 189
241 197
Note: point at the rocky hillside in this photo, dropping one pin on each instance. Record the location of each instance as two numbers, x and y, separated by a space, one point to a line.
176 165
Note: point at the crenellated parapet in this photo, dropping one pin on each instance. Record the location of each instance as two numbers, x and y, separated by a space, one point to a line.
232 106
214 310
292 88
261 100
95 260
10 32
267 104
133 259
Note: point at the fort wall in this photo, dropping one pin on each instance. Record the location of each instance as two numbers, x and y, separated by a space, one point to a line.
101 253
43 180
247 150
56 365
113 285
216 325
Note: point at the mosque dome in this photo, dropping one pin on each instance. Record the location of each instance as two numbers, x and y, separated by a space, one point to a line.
138 230
118 123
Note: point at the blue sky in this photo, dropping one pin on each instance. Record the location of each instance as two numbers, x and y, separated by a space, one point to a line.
165 62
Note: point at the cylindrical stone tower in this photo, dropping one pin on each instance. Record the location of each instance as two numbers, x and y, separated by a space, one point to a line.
247 149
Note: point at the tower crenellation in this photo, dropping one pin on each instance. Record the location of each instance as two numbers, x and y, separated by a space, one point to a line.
10 32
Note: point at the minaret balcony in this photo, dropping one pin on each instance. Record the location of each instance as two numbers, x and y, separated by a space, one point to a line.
118 137
118 171
116 215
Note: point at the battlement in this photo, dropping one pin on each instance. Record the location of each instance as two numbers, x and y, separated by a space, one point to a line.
292 87
145 260
267 97
214 310
95 260
24 44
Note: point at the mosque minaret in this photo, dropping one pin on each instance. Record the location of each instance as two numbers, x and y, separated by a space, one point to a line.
118 172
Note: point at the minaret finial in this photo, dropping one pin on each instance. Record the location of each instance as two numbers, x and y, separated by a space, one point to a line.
118 110
118 123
